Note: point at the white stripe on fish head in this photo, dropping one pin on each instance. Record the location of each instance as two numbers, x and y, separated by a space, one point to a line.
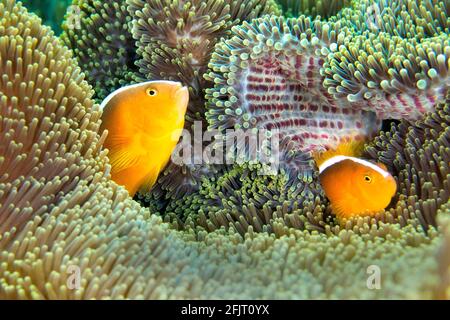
334 160
137 85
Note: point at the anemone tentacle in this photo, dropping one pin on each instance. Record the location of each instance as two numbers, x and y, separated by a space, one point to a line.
397 60
102 43
418 154
397 78
403 18
60 212
175 39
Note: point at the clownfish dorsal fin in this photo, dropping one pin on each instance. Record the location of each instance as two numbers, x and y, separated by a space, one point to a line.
347 149
382 166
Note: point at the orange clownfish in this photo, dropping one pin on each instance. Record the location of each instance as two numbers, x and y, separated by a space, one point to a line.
354 186
144 123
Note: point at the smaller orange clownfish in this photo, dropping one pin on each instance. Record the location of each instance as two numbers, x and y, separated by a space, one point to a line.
144 123
354 186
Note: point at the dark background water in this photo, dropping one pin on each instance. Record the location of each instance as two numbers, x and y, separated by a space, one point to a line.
51 11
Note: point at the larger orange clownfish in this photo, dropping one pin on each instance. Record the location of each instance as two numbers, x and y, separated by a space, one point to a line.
144 123
354 186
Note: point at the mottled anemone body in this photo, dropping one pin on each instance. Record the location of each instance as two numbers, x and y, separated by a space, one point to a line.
102 43
396 78
175 41
246 194
267 76
51 11
418 155
59 210
402 18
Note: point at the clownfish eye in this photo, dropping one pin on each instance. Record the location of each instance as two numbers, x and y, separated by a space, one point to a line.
152 92
367 179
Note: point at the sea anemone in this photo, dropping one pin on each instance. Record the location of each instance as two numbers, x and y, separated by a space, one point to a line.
102 43
443 290
418 154
396 63
233 104
396 78
245 195
313 8
175 39
403 18
174 42
46 122
61 217
51 11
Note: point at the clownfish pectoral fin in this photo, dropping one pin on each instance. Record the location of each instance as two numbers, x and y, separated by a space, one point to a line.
122 158
118 141
150 180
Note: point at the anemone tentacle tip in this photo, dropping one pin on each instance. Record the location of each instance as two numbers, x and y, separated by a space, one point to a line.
234 233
